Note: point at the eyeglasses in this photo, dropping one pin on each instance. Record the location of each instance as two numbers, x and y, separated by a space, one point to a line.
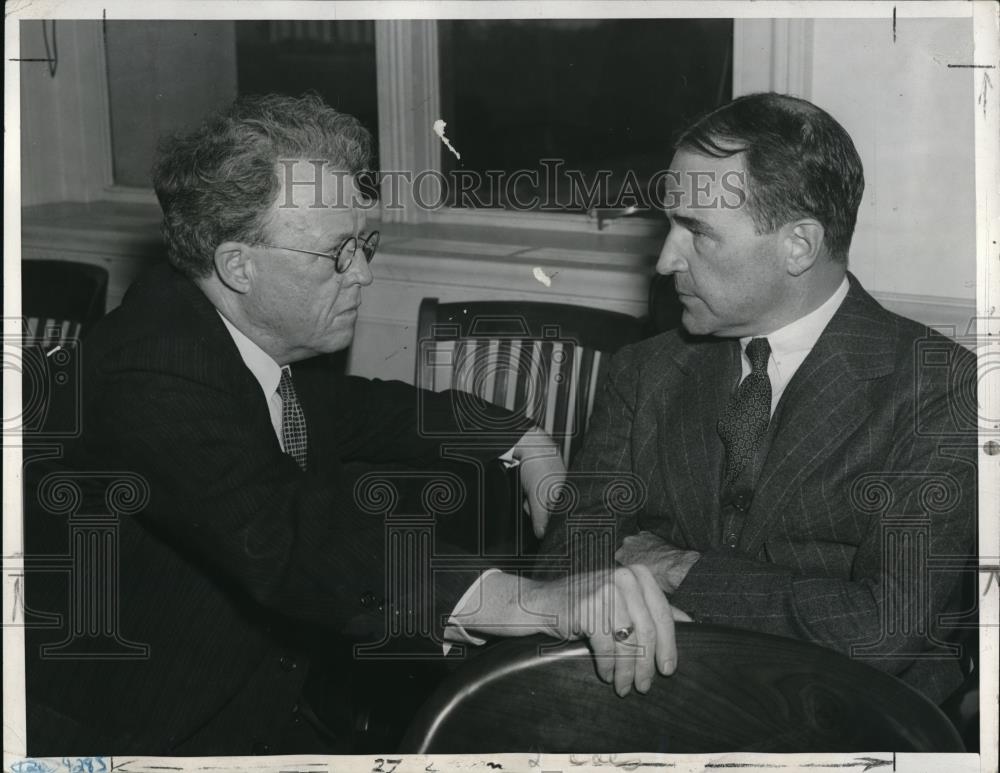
343 256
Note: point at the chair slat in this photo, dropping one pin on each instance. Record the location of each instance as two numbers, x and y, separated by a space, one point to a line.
464 348
502 394
571 418
490 365
595 369
548 385
48 333
442 370
540 358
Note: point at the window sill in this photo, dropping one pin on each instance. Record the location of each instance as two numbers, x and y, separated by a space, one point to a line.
127 228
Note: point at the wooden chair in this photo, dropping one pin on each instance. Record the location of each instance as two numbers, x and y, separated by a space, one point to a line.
61 300
543 357
733 691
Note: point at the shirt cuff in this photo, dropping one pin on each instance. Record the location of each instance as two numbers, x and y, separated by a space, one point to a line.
509 462
453 628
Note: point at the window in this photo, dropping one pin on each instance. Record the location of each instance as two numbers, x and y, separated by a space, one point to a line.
589 104
163 77
336 59
588 107
166 76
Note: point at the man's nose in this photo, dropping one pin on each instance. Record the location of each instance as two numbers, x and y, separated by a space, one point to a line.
359 272
671 259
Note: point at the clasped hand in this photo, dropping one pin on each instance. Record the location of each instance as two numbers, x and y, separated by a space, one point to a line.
622 612
624 616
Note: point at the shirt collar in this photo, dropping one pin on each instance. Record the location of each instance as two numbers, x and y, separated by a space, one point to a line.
801 335
264 369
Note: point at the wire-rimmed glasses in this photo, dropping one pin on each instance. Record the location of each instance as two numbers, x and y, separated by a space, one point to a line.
343 256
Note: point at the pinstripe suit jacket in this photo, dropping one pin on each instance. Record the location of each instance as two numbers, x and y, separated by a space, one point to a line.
878 422
235 542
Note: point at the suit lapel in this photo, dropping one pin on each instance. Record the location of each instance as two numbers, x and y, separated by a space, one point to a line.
826 401
689 446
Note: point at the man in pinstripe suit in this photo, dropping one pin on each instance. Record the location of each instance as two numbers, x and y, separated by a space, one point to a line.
780 437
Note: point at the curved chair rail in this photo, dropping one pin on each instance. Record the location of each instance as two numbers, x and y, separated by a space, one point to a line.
734 690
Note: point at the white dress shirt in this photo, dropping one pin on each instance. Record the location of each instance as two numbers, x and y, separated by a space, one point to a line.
791 344
265 370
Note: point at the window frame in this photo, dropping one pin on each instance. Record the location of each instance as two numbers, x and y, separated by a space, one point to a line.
768 55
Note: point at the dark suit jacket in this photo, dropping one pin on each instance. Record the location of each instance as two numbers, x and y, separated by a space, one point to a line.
878 422
235 540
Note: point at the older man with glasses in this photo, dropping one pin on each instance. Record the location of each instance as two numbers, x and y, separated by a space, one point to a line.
213 382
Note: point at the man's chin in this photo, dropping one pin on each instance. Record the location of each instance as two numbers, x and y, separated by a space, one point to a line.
337 342
693 325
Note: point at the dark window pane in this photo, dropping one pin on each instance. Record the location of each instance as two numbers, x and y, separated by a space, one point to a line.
163 77
166 76
336 59
596 94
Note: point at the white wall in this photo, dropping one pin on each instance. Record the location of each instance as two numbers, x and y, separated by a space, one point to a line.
911 117
63 129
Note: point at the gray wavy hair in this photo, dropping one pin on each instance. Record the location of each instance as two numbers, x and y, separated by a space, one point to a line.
216 183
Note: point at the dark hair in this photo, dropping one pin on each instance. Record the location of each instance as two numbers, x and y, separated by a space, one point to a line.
216 183
800 162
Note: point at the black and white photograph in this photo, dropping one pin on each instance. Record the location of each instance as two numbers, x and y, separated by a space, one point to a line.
464 385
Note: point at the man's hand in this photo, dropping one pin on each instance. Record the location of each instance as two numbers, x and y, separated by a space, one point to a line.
596 605
542 475
591 605
668 564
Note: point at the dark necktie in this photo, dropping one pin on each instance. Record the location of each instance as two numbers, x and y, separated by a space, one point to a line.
745 419
293 421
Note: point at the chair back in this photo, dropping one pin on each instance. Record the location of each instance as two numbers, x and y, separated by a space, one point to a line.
543 358
61 300
733 691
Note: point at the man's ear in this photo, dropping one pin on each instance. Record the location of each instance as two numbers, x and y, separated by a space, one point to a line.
233 266
804 244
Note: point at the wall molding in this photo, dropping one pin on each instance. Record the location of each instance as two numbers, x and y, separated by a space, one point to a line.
407 77
773 55
955 317
449 263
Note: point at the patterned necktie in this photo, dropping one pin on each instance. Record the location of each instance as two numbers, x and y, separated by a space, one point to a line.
745 419
293 421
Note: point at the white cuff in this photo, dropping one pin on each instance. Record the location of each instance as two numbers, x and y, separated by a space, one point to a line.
508 460
453 628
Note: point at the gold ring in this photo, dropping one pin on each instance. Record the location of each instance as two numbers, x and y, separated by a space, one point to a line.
622 634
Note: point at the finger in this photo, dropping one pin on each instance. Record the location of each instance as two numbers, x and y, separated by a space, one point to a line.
680 615
663 619
534 506
539 519
554 479
641 647
548 492
594 627
624 652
